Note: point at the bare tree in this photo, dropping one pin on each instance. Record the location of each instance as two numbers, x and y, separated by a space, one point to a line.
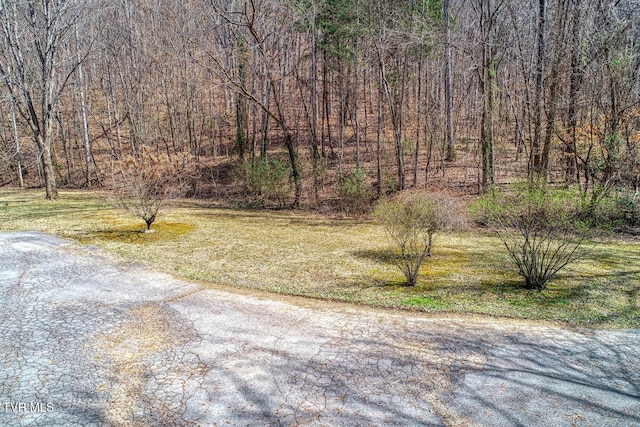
16 139
36 67
254 21
450 139
488 13
536 155
145 182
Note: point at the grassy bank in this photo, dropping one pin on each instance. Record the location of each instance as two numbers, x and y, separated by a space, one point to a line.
337 259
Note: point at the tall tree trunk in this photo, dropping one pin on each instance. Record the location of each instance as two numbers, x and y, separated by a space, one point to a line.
356 88
266 100
342 96
326 116
242 126
83 111
416 156
486 125
450 140
396 98
315 155
536 161
487 12
562 12
572 173
379 129
288 139
486 133
43 143
16 138
241 107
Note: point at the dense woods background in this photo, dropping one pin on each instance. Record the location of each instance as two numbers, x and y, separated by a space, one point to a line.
321 102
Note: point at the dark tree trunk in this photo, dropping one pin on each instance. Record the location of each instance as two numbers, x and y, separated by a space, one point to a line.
450 140
536 160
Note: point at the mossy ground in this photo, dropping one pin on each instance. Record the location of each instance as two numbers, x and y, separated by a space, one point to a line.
338 259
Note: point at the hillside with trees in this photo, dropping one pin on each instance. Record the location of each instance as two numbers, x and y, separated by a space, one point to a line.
323 103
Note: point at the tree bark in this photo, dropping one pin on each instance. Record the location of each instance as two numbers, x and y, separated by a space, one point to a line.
83 111
44 147
536 160
572 173
16 138
450 140
554 86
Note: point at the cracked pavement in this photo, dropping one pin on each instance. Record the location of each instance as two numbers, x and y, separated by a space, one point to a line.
85 341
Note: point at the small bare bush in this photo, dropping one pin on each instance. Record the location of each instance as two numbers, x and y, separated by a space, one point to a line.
143 183
411 222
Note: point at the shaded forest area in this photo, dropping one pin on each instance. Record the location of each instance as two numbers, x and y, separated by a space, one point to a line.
321 103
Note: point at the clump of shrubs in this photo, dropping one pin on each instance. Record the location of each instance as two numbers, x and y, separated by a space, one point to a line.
269 180
355 193
618 210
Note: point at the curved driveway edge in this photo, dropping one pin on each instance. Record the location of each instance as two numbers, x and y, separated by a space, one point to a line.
85 342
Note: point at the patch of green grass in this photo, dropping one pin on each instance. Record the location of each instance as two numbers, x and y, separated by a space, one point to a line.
134 233
426 302
346 260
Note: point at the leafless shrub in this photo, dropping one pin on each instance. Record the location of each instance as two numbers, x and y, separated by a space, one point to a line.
143 183
540 229
411 222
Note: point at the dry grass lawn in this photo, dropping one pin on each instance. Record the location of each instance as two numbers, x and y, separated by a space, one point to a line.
338 259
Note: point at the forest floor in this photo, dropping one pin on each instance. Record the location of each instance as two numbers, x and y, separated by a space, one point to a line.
88 341
341 259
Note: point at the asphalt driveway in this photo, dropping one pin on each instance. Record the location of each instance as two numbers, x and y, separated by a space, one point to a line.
86 341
